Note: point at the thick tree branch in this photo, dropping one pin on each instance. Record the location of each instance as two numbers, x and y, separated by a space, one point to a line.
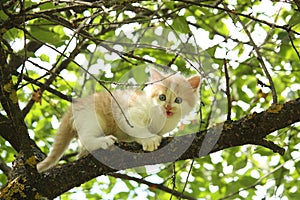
252 129
16 132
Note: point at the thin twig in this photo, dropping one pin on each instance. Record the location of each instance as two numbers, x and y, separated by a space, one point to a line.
5 168
47 87
227 91
255 183
212 104
152 185
173 179
55 72
187 178
24 42
293 45
226 9
259 56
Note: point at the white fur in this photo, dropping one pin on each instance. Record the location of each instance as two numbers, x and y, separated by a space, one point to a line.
99 121
86 123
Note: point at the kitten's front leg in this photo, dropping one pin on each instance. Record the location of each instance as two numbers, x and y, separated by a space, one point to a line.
157 118
151 143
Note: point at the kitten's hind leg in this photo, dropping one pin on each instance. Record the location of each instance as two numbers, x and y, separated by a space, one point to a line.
88 127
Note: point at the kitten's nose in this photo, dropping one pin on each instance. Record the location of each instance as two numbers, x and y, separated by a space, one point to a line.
168 107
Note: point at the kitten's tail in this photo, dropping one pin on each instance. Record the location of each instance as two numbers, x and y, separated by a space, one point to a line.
62 140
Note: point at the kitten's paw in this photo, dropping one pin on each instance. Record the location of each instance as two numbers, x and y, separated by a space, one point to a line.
150 144
107 141
83 153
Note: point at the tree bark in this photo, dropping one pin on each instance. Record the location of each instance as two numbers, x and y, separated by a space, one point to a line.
252 129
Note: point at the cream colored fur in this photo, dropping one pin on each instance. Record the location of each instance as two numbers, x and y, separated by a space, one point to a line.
98 121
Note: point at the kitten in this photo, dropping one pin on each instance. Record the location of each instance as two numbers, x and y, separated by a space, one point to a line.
99 120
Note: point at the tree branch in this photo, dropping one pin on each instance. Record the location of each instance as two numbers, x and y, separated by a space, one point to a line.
55 72
48 88
16 60
284 27
6 169
259 56
227 92
293 45
254 184
16 133
249 130
152 185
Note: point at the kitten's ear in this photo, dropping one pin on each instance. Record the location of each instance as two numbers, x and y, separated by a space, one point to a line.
155 75
194 81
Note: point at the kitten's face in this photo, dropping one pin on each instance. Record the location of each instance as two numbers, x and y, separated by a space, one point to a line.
176 94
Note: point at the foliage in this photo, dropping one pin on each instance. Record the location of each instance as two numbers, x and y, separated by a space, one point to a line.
67 49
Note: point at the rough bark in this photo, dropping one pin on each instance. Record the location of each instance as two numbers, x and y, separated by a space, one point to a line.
252 129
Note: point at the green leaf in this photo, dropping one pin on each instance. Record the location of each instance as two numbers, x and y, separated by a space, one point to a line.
50 34
45 58
43 124
240 164
264 151
283 35
3 16
295 19
180 24
246 180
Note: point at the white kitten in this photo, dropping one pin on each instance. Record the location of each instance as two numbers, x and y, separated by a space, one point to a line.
98 121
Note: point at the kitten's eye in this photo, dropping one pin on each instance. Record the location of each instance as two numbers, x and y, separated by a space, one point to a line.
178 100
162 97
